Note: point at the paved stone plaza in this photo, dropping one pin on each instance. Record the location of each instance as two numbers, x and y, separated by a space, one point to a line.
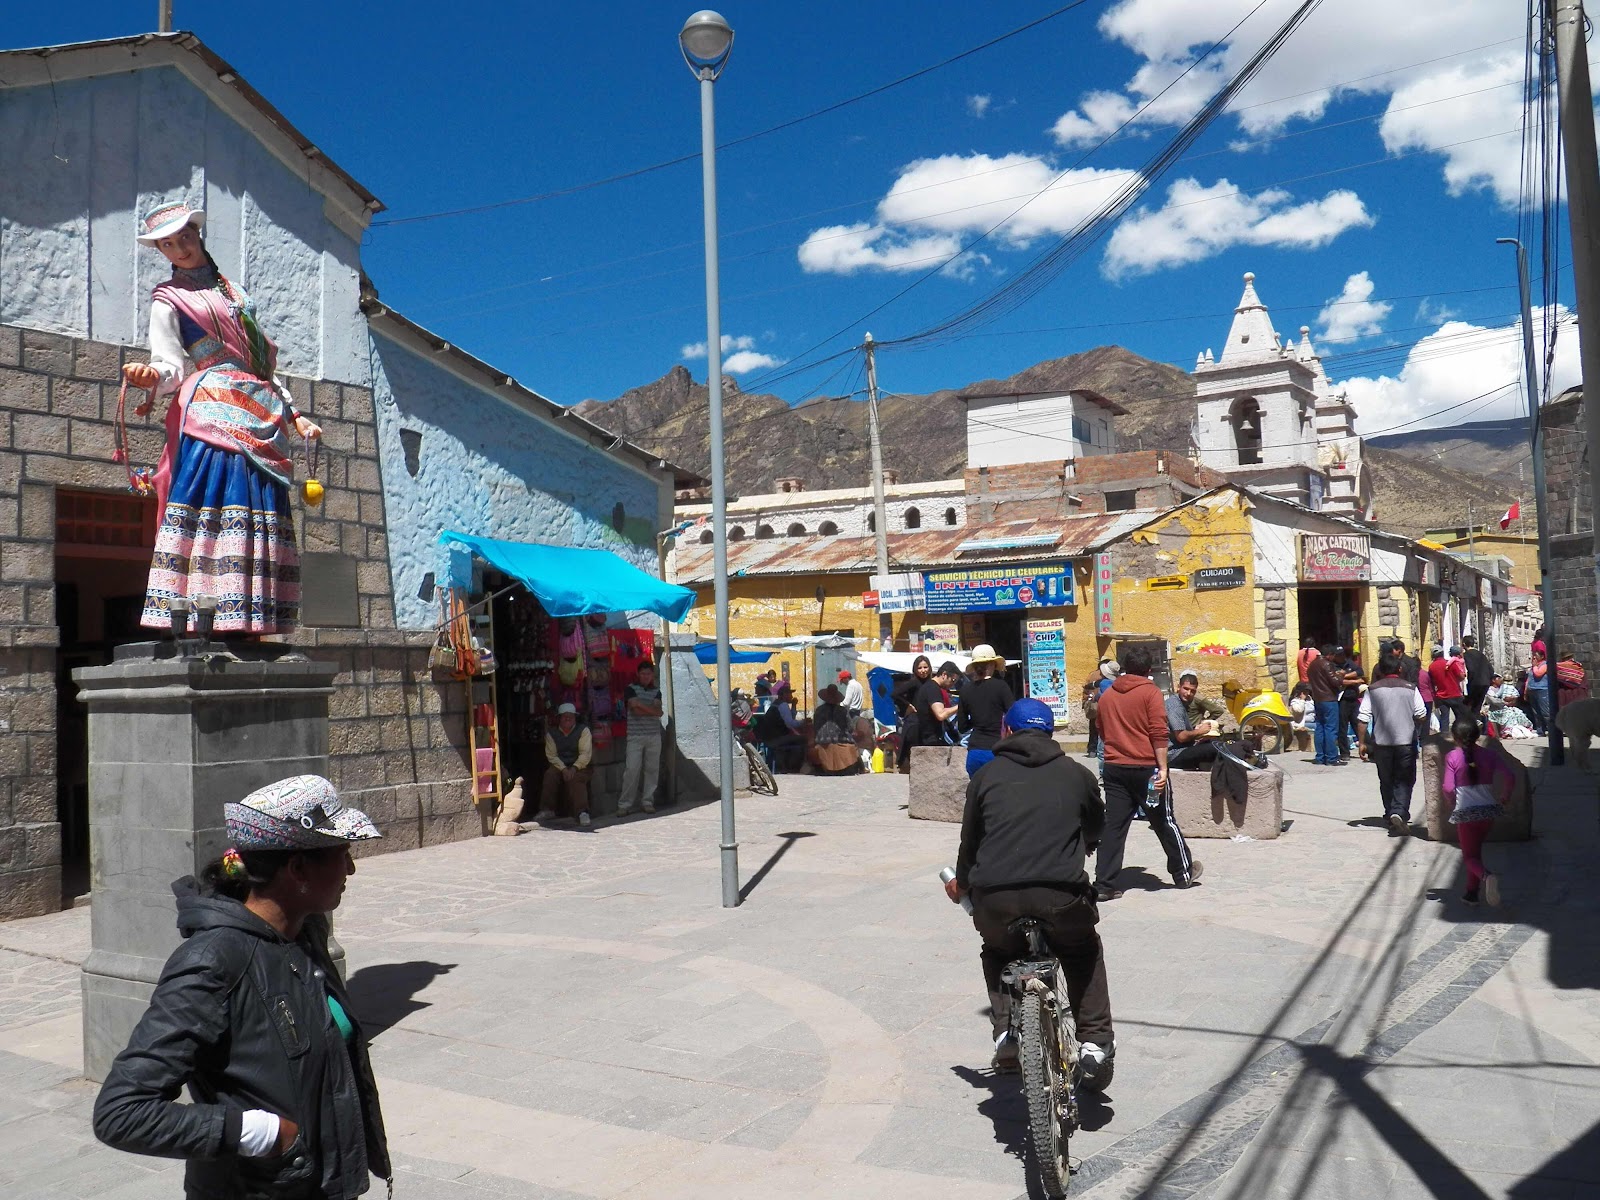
571 1014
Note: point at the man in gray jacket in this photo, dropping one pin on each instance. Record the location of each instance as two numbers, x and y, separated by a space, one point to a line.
1388 723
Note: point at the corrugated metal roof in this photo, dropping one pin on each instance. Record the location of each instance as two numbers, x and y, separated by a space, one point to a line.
925 549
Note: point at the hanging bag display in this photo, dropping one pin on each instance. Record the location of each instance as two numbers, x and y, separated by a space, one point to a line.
311 488
141 481
442 656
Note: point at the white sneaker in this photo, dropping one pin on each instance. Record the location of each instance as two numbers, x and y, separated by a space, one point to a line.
583 818
647 807
1007 1056
1491 890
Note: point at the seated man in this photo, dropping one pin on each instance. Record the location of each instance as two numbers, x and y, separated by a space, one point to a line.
1031 815
567 751
780 731
833 748
1190 746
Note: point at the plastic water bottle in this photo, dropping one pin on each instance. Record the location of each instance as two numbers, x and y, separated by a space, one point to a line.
948 874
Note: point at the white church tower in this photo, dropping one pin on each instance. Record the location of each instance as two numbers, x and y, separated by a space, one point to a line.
1268 417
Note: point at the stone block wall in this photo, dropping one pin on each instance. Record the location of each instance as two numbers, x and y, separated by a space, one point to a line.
397 737
1570 520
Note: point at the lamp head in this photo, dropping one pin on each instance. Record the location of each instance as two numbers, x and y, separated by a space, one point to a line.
706 40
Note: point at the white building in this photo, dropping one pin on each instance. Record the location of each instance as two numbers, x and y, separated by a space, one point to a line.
836 512
1006 429
1269 417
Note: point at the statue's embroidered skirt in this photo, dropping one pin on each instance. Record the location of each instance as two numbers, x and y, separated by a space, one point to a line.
228 532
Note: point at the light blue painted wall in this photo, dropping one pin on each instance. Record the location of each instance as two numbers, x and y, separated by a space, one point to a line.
486 466
102 151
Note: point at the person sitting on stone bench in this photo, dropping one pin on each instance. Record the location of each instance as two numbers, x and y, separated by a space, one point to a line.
1190 746
833 746
781 732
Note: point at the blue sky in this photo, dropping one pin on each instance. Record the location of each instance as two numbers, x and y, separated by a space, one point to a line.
1359 168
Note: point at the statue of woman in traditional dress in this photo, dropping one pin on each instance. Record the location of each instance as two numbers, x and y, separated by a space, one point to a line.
224 526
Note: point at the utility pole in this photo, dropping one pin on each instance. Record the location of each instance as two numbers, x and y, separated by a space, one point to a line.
1472 549
881 516
164 17
1583 211
1530 383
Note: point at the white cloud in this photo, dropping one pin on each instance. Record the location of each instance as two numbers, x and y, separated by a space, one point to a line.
739 354
1336 52
729 345
1199 221
846 249
979 106
745 361
1353 313
1433 312
1446 370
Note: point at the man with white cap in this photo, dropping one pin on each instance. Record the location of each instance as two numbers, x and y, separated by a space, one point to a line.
567 751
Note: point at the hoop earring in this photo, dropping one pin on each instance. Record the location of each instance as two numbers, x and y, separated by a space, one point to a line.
302 889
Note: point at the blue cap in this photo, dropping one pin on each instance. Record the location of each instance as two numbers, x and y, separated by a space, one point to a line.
1030 714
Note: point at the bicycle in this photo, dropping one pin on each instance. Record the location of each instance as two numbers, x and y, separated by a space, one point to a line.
743 712
1047 1039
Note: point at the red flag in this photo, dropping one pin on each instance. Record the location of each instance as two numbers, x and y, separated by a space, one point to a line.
1512 514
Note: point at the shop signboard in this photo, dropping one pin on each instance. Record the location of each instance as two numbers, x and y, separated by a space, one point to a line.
945 638
1214 579
1104 578
1047 663
870 599
1335 558
898 593
998 589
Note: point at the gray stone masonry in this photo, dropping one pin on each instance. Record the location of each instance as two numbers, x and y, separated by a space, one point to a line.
694 725
170 742
1204 815
1570 521
938 783
398 736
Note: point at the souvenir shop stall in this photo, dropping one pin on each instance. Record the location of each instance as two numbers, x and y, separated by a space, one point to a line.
534 627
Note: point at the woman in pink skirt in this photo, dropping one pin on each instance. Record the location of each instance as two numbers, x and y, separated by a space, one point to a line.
224 528
1477 782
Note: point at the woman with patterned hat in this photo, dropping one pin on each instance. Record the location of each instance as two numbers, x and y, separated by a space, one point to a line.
251 1016
224 525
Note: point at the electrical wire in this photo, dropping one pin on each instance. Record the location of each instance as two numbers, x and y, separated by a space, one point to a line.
636 172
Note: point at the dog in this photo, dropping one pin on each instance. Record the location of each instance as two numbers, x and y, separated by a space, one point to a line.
1579 721
510 812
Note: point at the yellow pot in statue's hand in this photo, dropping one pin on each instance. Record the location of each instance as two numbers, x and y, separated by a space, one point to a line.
311 493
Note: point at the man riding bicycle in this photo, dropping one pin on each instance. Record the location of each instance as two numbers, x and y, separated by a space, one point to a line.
1031 816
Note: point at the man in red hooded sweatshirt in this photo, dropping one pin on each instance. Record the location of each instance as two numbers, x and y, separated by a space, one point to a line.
1133 728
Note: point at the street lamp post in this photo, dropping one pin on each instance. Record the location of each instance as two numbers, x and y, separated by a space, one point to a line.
706 40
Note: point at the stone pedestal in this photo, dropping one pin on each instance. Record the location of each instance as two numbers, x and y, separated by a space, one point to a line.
938 783
1515 826
170 741
1201 814
693 733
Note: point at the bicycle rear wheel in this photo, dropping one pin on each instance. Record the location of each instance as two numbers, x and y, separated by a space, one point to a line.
1041 1082
761 777
1265 730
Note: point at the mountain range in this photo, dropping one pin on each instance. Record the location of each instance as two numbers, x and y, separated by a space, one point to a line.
1421 480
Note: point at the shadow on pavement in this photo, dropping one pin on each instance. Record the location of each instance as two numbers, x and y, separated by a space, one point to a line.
789 839
1578 1164
384 994
1137 879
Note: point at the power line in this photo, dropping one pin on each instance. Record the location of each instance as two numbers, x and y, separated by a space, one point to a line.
738 141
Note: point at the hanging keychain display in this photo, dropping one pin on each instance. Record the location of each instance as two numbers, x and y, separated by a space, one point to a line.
141 482
311 488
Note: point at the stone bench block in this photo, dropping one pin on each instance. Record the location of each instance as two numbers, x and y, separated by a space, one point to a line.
1202 815
938 783
1515 826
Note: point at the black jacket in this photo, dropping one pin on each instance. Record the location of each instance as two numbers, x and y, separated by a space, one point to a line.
241 1016
1031 814
1480 671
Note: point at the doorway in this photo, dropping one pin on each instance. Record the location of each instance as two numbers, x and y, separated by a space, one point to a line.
102 564
1330 615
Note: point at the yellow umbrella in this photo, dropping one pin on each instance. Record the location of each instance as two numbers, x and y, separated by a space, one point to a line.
1225 642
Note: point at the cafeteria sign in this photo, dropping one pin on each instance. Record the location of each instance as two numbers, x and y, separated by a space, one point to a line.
998 589
1335 558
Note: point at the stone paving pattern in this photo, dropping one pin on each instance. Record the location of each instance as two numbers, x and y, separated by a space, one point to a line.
571 1014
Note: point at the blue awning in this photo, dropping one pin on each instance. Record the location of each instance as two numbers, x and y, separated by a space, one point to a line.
573 582
706 652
